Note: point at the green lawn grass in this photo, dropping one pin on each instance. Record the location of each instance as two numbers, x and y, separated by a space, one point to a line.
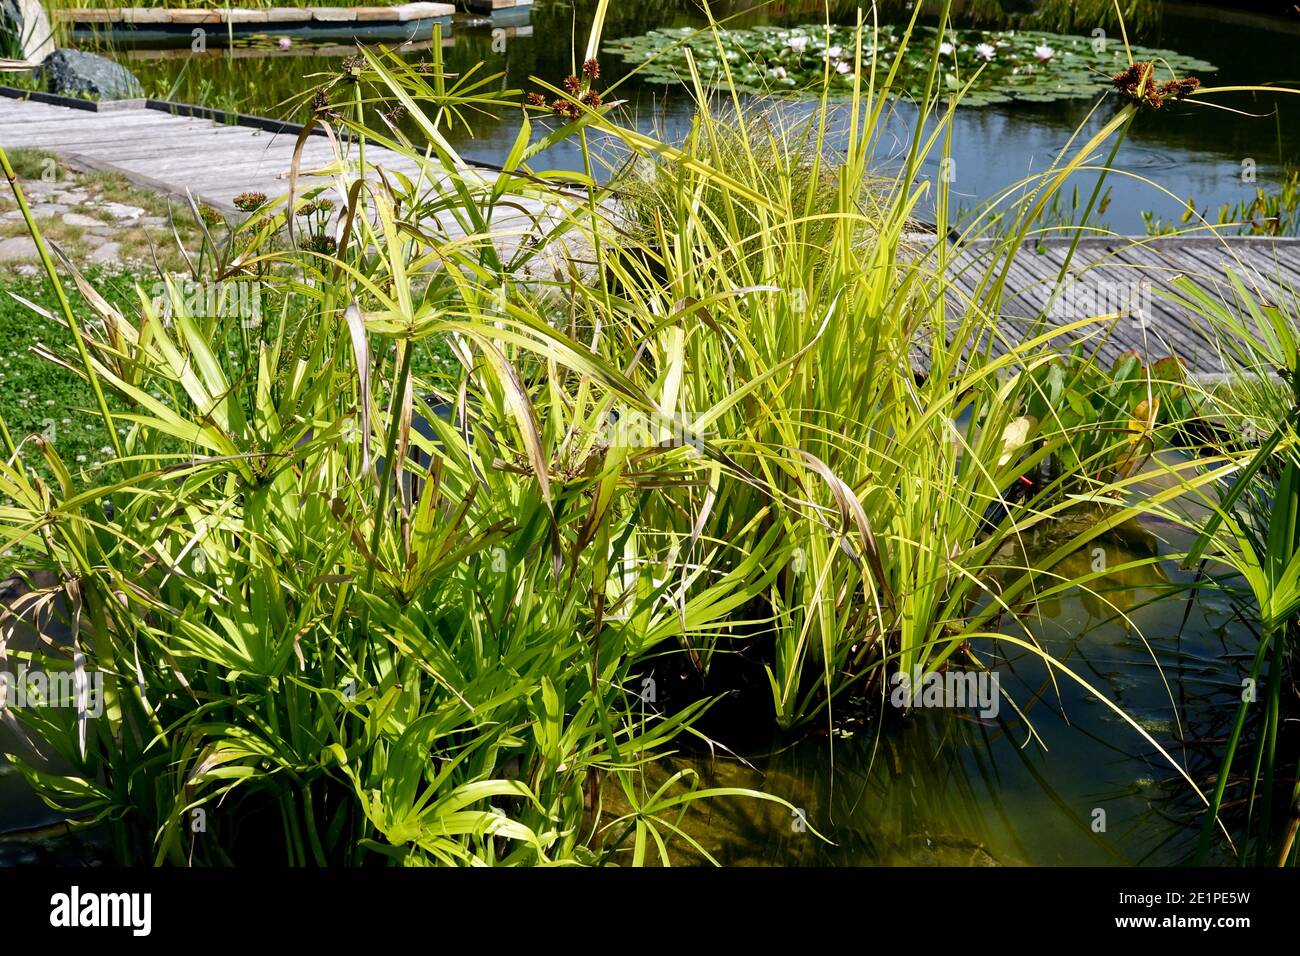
38 396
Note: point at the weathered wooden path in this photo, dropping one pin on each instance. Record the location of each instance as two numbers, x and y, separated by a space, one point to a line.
215 162
1137 280
1131 277
175 154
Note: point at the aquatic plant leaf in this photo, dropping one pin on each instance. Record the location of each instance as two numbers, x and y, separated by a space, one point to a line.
1006 66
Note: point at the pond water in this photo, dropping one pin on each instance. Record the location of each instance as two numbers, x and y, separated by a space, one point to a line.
1190 150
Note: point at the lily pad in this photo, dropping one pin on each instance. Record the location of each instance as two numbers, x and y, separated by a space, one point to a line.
1004 65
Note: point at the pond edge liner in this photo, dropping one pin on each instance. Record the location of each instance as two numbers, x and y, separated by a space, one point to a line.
222 117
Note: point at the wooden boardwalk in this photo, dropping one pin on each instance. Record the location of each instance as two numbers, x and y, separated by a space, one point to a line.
1135 279
174 154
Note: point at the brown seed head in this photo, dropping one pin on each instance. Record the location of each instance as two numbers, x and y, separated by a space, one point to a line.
1180 89
250 201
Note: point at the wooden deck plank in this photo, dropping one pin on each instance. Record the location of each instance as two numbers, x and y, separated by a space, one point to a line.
195 142
171 153
1154 330
1098 266
1217 262
1107 266
1161 271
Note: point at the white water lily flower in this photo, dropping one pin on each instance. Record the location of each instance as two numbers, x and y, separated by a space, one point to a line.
834 52
779 73
984 51
842 67
945 48
1044 52
798 44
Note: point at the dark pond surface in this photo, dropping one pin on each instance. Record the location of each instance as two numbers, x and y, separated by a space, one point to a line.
1190 150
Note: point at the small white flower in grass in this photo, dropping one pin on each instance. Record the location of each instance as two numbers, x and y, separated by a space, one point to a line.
81 458
945 48
834 52
779 73
798 44
985 52
1043 52
842 67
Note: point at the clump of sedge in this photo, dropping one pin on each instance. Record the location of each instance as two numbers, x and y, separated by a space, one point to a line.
250 201
352 68
325 245
314 206
579 87
565 108
1138 81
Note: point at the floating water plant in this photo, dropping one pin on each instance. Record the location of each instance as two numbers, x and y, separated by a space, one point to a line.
1005 65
